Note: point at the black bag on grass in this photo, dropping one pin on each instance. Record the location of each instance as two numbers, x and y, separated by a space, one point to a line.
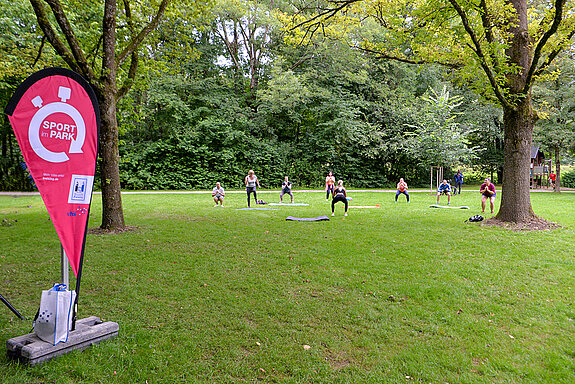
474 219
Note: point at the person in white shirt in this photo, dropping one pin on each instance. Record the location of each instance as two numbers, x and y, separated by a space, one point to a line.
218 194
251 182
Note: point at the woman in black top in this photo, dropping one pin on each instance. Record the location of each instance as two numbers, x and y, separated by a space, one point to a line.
339 194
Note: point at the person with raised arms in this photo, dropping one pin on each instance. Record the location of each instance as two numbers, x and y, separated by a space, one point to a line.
286 188
339 194
251 182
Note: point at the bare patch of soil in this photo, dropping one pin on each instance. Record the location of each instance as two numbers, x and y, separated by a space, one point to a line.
100 231
534 224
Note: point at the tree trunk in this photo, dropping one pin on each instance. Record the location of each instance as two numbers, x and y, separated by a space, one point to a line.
515 198
112 213
518 121
558 172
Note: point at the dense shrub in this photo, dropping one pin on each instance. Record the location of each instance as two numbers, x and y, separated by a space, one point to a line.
568 179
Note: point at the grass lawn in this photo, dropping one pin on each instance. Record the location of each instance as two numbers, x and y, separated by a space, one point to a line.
397 294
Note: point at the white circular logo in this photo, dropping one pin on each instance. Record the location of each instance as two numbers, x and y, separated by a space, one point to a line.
47 110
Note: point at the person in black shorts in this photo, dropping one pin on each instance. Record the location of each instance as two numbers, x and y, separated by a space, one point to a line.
339 194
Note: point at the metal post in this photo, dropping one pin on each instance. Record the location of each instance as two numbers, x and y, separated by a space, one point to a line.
65 269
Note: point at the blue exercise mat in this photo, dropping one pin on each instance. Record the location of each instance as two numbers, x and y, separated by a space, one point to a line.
256 209
320 218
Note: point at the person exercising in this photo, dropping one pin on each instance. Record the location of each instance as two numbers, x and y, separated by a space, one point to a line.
401 188
444 189
251 182
218 193
487 191
339 194
329 184
286 189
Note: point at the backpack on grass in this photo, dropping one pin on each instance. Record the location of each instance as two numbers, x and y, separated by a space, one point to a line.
474 219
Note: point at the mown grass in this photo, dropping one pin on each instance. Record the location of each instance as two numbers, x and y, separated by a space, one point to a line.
402 293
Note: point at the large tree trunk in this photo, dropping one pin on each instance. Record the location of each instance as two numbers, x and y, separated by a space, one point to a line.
112 213
515 198
518 121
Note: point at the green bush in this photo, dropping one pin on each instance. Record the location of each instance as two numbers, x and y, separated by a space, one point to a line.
568 179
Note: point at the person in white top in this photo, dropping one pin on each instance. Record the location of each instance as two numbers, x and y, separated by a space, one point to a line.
251 182
218 194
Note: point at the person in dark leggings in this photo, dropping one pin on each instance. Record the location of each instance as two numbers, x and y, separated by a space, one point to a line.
339 194
329 184
286 189
251 182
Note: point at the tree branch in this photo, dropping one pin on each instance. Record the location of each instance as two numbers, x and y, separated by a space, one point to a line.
228 45
552 57
383 55
481 56
541 43
326 13
131 76
51 35
136 41
487 27
39 51
70 36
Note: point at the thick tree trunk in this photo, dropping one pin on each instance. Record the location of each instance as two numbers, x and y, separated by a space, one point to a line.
558 172
518 121
515 198
112 213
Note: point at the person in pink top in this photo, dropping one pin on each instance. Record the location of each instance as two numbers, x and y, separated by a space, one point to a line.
401 188
329 184
487 191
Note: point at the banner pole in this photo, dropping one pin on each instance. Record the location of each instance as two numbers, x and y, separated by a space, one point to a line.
10 307
65 269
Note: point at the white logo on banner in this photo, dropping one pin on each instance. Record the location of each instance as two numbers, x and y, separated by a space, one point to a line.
47 110
81 189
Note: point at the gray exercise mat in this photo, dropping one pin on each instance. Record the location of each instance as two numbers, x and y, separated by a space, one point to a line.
290 204
447 206
320 218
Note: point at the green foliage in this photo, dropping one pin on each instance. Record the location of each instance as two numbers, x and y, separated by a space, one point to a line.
568 179
437 139
192 118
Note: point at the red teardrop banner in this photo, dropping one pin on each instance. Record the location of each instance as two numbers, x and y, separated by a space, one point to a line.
55 117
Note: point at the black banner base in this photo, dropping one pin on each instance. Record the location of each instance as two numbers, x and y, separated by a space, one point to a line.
31 350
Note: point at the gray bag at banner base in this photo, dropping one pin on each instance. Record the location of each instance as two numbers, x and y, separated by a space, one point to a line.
55 315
